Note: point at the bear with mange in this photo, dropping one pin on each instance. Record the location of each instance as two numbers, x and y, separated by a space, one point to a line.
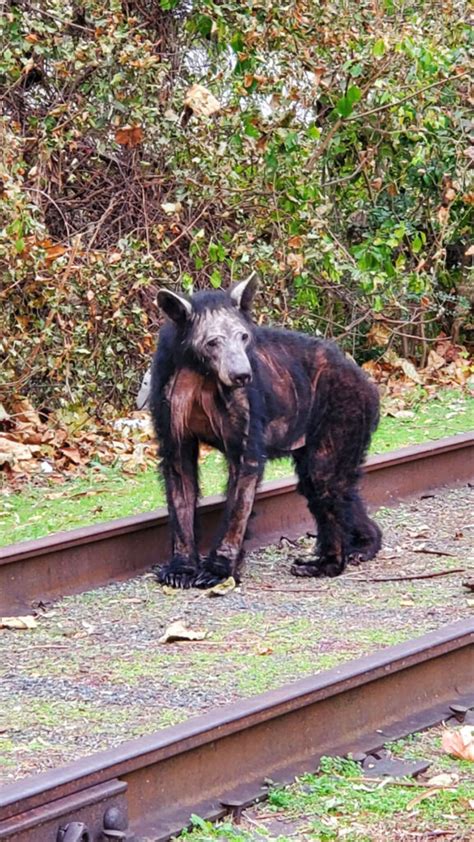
257 393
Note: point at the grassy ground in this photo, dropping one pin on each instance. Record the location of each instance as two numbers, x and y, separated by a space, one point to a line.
105 493
338 803
94 673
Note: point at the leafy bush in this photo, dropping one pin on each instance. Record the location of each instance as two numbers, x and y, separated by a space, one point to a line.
333 156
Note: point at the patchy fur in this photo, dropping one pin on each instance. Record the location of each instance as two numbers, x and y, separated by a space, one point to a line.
257 393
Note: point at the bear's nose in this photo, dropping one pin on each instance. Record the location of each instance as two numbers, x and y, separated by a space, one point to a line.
240 378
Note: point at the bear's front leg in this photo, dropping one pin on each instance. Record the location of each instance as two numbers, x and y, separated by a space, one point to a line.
225 559
180 474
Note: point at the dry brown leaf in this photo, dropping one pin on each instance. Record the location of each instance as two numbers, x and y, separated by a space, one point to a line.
295 242
53 252
459 743
20 623
23 410
222 588
14 451
178 631
201 101
129 135
72 454
172 207
444 780
410 371
435 360
295 262
443 215
378 335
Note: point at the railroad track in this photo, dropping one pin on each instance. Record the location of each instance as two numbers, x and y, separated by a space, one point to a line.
147 789
34 572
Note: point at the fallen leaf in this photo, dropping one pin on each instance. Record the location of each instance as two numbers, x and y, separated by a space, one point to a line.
295 262
178 631
129 135
459 743
435 360
21 623
4 416
444 780
72 454
172 207
410 371
295 242
201 101
443 215
378 335
222 588
53 252
12 451
404 413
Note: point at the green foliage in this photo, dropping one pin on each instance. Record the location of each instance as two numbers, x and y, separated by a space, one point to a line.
337 166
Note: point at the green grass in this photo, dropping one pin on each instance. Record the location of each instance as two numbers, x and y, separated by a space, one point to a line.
104 493
336 803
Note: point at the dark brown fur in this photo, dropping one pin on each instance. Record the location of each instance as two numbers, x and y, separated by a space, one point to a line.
305 399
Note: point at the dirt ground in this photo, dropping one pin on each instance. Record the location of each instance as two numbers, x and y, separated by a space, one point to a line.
94 673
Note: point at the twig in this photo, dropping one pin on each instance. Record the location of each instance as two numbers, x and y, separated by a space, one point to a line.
411 577
187 228
427 551
336 126
387 781
413 95
302 591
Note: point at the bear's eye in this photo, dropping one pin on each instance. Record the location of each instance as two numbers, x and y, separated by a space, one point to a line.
213 343
245 336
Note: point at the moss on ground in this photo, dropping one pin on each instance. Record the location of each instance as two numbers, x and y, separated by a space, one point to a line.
104 493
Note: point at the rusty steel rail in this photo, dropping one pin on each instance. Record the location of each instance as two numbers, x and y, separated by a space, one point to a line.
148 788
71 562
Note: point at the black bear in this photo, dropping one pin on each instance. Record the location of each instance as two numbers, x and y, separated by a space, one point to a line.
258 393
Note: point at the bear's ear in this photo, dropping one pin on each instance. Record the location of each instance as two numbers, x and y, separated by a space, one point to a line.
176 306
242 294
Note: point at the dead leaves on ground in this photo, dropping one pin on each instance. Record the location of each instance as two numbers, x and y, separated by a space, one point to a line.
178 631
447 365
62 443
459 742
129 136
222 588
18 623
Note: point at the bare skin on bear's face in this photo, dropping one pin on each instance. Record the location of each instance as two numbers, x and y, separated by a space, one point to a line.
257 393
